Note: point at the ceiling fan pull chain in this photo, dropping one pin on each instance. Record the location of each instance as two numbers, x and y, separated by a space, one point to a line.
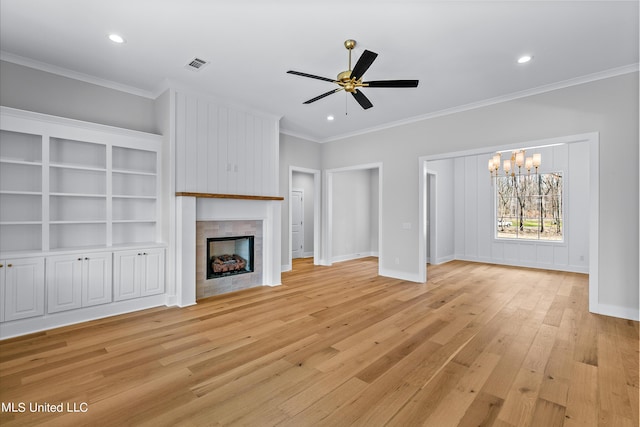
346 104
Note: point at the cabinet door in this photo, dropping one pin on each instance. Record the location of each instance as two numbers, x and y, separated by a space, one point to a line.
96 279
127 273
64 283
24 288
2 289
153 278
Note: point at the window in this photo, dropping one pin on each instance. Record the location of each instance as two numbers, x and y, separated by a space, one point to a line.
529 207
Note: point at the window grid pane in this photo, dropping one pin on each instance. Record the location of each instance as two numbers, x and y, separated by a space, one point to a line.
529 207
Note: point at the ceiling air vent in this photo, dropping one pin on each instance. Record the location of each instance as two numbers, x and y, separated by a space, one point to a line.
196 64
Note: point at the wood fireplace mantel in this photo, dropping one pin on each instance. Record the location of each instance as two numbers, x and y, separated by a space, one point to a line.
227 196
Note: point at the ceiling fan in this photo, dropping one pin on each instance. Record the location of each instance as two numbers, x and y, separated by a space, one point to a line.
351 80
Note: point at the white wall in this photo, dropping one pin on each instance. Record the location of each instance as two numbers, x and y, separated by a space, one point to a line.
607 106
474 224
35 90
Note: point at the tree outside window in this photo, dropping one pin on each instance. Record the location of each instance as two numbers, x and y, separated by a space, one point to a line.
530 207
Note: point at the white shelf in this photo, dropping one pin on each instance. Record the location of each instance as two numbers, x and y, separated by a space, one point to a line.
77 167
20 162
79 195
20 222
22 193
78 222
75 185
129 172
124 196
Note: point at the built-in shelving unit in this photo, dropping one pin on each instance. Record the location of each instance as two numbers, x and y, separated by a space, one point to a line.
74 196
69 185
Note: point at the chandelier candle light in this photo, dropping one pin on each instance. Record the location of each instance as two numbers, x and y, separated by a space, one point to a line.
517 159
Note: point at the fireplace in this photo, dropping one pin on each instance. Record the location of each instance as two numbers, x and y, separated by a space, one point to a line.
237 249
228 256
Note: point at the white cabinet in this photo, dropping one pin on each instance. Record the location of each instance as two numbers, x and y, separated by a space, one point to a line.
21 288
75 281
138 273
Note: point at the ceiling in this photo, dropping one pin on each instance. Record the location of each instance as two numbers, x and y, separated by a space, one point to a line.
463 53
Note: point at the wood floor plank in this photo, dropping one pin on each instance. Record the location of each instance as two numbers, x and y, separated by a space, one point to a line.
477 345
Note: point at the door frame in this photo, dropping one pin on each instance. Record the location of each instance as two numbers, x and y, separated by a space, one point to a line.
328 211
316 213
593 139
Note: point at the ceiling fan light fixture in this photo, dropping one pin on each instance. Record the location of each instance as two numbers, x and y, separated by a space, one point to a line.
524 59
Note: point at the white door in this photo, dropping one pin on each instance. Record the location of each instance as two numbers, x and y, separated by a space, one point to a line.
297 224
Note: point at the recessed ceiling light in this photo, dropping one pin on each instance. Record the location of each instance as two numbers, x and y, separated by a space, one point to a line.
524 59
116 38
330 118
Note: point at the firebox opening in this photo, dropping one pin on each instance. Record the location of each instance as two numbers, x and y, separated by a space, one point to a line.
228 256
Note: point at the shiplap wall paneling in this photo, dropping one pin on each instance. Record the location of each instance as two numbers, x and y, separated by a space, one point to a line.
202 145
223 149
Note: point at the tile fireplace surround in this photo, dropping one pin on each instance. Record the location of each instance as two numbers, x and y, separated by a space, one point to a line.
206 229
231 211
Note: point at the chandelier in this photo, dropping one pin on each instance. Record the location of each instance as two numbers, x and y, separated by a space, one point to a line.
518 159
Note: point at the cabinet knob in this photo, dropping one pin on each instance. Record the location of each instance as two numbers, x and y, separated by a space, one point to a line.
144 253
9 265
1 265
139 254
87 258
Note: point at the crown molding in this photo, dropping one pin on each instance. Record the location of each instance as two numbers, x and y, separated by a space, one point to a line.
300 136
613 72
64 72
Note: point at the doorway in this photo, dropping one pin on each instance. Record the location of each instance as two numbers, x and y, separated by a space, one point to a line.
352 226
304 186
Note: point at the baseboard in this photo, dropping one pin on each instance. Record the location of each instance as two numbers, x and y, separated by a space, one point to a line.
285 268
71 317
350 257
567 268
444 259
617 311
401 275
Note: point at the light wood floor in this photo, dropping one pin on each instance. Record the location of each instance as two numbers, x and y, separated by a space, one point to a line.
339 346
